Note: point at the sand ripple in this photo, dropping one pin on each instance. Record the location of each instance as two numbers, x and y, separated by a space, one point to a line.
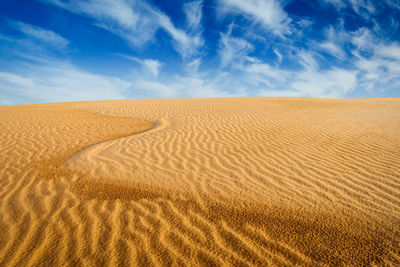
234 181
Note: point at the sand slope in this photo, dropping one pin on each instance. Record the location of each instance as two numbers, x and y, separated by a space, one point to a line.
230 181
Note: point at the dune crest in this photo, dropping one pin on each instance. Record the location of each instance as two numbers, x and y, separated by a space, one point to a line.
229 181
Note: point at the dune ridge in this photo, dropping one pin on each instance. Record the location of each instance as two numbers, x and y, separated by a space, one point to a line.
231 181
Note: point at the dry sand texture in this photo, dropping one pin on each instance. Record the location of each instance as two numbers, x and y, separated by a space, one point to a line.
232 181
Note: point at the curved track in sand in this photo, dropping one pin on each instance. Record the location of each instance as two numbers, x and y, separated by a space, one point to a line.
240 181
156 126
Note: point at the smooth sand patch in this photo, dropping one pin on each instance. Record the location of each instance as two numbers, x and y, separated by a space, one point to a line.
229 181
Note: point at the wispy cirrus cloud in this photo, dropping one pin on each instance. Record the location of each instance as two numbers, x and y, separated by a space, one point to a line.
379 68
184 86
138 21
233 49
339 4
308 81
264 74
362 40
373 63
332 83
59 82
268 13
47 37
334 40
38 75
185 44
194 14
151 65
131 20
364 8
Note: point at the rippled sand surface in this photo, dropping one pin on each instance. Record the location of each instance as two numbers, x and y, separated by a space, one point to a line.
224 181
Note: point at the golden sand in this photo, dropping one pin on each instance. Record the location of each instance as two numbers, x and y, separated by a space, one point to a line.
224 181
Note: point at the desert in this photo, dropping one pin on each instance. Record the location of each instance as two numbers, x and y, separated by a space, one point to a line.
247 181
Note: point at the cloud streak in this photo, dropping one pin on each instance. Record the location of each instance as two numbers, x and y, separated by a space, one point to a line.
137 21
45 36
268 13
151 65
233 50
57 83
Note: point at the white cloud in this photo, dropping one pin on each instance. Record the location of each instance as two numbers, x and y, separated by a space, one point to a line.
304 23
393 3
48 37
131 20
59 82
193 66
185 44
268 80
149 65
258 72
268 13
180 87
381 70
137 21
155 88
364 8
331 83
363 39
233 49
365 61
191 86
391 51
117 10
377 62
339 4
194 14
335 38
307 60
278 54
332 49
11 78
152 65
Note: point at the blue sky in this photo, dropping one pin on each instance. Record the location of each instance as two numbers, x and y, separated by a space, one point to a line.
58 50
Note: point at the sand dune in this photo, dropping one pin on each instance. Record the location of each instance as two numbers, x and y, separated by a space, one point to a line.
224 181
